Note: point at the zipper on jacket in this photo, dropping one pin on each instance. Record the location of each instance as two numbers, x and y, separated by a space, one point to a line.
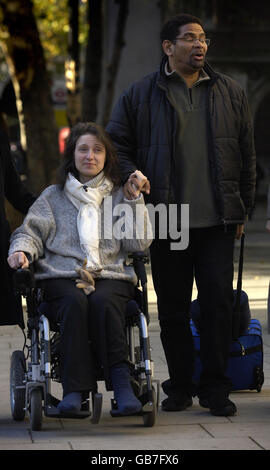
212 154
165 90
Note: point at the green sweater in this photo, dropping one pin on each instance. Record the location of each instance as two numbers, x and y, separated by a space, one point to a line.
192 178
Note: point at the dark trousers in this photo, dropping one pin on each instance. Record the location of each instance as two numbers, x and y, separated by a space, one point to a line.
208 258
92 328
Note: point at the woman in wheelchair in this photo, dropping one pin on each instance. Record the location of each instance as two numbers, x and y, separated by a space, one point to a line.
77 238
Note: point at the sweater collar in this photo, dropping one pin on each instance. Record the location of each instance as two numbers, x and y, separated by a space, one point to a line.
95 181
207 69
202 74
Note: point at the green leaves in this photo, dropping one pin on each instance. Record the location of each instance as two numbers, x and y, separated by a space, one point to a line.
53 23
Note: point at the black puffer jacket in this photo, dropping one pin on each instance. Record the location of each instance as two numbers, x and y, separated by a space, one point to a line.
143 127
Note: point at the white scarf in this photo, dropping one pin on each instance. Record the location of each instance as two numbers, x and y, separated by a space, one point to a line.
87 198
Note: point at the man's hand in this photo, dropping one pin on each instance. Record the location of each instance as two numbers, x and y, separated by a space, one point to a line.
136 184
18 260
239 231
268 225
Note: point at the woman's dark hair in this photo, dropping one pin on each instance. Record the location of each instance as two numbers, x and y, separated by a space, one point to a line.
171 28
111 167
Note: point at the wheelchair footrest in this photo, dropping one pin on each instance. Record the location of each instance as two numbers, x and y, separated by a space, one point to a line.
53 412
116 414
147 406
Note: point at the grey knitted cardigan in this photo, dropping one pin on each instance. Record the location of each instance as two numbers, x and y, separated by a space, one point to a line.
49 236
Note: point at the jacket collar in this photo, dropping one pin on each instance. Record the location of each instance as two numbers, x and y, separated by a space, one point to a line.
208 69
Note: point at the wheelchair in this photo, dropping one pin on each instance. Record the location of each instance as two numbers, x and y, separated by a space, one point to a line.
37 365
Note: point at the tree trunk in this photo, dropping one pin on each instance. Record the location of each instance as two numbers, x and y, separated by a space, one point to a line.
119 43
73 66
25 57
93 61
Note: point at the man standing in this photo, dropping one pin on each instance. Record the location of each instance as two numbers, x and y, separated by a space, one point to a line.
188 130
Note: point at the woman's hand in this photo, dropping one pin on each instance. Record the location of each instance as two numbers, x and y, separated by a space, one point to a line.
18 260
136 184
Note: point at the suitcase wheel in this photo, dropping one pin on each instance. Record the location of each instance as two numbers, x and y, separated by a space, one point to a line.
258 378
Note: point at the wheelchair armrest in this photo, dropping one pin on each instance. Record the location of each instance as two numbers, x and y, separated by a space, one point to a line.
23 280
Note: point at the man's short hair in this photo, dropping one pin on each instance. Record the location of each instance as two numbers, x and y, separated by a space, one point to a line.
171 28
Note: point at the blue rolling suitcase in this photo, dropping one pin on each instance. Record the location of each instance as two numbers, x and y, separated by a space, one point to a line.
245 365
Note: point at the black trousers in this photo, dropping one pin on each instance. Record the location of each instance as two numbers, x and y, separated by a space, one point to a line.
208 258
92 328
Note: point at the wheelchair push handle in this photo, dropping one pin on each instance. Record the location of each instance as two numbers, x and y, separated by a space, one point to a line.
139 260
23 280
139 256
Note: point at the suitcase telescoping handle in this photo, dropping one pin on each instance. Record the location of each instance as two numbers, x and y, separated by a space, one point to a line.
236 312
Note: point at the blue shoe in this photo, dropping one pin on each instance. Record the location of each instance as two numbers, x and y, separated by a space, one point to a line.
127 403
71 403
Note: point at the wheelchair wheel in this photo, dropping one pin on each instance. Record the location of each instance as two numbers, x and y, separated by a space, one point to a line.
17 386
36 409
96 407
149 417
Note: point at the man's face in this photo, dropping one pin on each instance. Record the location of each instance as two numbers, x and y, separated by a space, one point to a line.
185 54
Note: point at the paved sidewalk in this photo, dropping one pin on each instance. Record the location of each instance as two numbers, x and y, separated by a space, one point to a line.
193 429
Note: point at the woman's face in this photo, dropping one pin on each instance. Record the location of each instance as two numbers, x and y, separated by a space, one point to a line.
90 157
